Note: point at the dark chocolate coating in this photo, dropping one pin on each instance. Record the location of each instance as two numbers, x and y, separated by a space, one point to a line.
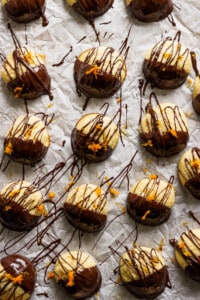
164 144
196 104
91 9
86 283
25 11
151 286
33 82
102 85
150 10
162 76
24 151
137 207
85 220
17 217
79 144
15 265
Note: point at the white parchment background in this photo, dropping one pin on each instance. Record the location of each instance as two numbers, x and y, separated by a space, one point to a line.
65 30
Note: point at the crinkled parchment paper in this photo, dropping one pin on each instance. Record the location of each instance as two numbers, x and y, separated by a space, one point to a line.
68 30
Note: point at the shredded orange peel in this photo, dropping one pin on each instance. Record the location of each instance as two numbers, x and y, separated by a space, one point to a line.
9 148
15 279
70 278
93 70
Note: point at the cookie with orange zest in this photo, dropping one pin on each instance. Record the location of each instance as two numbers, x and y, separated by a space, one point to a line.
86 207
94 137
150 200
189 171
17 277
77 272
99 72
21 205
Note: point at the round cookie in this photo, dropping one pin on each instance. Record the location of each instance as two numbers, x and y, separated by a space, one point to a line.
163 130
187 253
24 11
167 64
149 10
78 274
90 9
86 208
189 171
196 95
21 205
27 140
150 200
143 272
17 277
99 72
25 74
94 137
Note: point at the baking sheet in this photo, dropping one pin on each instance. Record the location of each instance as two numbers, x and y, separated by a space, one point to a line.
67 31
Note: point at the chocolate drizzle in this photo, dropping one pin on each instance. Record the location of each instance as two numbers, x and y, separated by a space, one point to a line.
28 76
162 69
167 142
26 11
188 247
107 81
138 203
191 173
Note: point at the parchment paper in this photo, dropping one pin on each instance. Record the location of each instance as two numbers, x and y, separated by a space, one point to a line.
68 30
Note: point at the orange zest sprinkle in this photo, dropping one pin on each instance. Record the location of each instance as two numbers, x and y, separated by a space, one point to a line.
51 195
181 245
113 192
173 133
15 279
17 91
94 147
28 133
145 215
151 197
9 148
93 70
167 55
28 57
42 210
98 191
148 144
195 163
155 260
7 207
153 176
14 193
70 278
51 275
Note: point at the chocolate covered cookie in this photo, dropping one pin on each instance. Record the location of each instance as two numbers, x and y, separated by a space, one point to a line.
149 10
78 273
25 74
99 72
27 140
94 137
150 200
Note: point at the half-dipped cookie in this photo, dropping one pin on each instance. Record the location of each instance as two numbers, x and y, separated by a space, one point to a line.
77 272
24 11
99 72
163 129
86 208
149 10
189 171
143 272
17 277
27 140
187 252
196 95
150 200
94 137
25 74
90 9
167 64
21 205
